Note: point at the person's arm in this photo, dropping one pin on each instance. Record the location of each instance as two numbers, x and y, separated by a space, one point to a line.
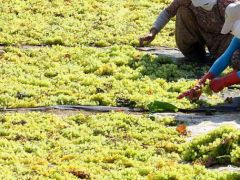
161 21
223 61
165 16
218 67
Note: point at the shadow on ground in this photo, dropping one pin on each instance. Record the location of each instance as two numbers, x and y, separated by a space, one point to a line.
164 67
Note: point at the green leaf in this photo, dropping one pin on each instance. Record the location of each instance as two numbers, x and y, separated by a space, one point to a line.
158 106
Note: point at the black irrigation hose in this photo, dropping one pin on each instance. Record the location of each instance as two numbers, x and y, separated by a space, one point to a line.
207 110
210 110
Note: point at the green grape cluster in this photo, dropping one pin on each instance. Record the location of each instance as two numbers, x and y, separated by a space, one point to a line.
77 70
39 145
91 76
172 170
80 74
221 146
74 22
102 146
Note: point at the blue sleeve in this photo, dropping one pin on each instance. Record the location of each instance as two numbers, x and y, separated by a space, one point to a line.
223 61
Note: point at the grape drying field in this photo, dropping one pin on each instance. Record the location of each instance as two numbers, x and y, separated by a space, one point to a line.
88 57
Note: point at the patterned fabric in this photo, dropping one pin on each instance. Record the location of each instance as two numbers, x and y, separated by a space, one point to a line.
236 60
188 36
209 23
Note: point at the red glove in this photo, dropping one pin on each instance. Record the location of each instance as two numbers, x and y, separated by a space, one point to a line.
218 84
196 91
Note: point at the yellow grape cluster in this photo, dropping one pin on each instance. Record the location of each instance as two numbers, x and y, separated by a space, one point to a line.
103 146
74 22
116 76
220 146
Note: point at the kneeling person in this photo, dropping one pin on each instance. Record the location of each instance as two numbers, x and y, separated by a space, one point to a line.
198 25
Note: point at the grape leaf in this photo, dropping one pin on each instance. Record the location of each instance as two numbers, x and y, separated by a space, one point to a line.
159 106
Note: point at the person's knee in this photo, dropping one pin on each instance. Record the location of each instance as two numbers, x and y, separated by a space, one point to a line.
196 53
236 60
187 31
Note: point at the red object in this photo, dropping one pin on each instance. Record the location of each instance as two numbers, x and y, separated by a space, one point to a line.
218 84
196 91
208 75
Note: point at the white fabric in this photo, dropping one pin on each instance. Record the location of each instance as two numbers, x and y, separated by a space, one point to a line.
205 4
232 14
236 29
209 6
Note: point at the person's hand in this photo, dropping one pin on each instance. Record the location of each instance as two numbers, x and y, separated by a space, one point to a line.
147 39
196 91
192 94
